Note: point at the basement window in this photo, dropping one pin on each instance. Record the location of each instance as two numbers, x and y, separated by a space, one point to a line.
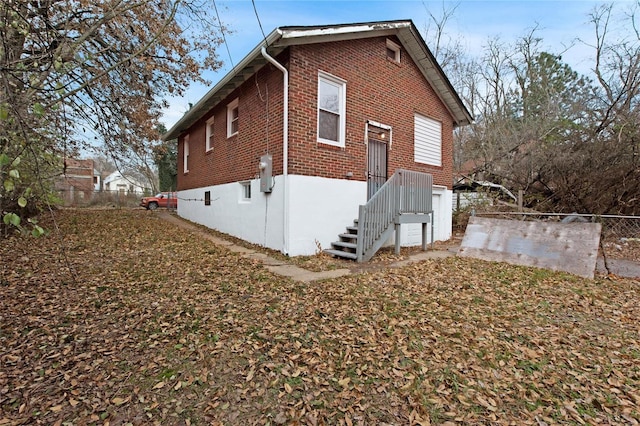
245 191
393 51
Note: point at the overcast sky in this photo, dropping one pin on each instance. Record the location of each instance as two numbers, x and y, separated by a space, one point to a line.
559 23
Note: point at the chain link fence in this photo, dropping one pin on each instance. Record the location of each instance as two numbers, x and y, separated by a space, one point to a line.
620 228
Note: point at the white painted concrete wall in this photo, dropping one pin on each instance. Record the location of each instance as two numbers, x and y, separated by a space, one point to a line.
258 221
320 209
411 234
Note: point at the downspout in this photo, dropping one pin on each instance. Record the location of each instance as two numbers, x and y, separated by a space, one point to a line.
285 149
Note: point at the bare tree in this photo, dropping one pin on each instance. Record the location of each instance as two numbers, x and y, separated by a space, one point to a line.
612 145
446 49
99 65
571 142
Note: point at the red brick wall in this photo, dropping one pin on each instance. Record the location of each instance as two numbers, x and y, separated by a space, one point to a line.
260 107
377 89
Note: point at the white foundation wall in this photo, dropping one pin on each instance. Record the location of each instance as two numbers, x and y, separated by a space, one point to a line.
321 208
411 234
258 221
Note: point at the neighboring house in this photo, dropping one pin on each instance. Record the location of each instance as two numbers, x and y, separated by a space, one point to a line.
305 129
78 181
468 192
126 184
471 189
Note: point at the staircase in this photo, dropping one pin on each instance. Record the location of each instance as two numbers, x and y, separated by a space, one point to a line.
347 245
405 198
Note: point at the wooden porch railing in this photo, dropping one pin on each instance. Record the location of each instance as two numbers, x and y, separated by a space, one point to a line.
405 198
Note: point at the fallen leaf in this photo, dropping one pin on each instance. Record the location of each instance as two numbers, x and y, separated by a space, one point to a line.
250 375
119 401
281 418
155 306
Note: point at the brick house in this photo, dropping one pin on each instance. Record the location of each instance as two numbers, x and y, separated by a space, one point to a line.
78 181
287 146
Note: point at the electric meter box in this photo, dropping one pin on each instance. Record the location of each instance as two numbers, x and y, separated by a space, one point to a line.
266 171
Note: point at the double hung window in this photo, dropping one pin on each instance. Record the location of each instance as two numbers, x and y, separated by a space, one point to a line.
185 155
232 118
209 135
331 109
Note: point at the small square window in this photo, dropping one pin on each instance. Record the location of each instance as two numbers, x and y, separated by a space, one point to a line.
393 51
245 195
207 198
232 118
209 135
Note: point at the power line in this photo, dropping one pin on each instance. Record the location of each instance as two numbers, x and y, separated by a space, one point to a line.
253 2
222 32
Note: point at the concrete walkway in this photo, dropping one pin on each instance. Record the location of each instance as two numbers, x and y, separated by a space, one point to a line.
619 267
622 268
285 269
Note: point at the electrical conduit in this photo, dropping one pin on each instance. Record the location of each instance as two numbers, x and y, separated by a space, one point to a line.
285 148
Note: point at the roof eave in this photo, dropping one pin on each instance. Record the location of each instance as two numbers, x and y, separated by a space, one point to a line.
426 61
330 33
238 75
282 37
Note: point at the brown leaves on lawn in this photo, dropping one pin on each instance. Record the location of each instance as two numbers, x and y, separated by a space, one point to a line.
124 319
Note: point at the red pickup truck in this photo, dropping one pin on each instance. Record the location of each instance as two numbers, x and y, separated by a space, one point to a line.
162 199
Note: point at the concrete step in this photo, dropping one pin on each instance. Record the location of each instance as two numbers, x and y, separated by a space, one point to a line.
343 254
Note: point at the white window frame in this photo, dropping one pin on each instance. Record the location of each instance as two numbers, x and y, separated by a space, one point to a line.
233 106
245 191
342 98
395 48
185 154
209 135
427 141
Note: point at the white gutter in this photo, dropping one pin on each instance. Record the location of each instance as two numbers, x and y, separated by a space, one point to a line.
285 148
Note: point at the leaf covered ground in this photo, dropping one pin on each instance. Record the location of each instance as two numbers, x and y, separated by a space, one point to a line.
121 318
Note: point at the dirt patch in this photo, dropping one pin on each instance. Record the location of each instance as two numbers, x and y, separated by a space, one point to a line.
625 248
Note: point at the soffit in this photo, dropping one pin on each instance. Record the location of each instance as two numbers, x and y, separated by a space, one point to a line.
238 75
